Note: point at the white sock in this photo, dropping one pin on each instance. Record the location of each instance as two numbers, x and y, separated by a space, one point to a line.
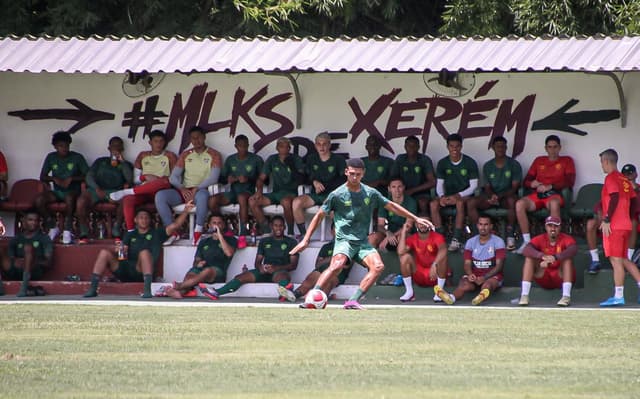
630 252
118 195
408 285
594 255
198 228
441 282
618 292
566 289
526 287
526 237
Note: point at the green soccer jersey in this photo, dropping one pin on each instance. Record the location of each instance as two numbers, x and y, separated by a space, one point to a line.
107 177
456 177
211 252
72 165
151 240
283 174
412 173
330 173
352 211
250 167
41 244
396 221
377 169
501 179
276 251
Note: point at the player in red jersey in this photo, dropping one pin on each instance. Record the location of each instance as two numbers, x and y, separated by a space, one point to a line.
549 260
617 196
423 259
548 176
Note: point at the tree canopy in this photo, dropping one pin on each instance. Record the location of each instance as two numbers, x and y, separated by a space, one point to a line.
319 17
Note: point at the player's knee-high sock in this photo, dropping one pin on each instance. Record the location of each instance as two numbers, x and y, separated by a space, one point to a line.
229 287
302 228
26 276
93 289
147 285
283 283
357 295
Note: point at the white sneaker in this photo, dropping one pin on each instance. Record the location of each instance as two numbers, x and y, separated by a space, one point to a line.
67 237
437 299
172 238
520 250
120 194
408 297
511 243
54 232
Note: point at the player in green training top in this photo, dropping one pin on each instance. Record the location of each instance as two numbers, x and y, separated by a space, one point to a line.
285 171
142 247
457 180
272 265
377 168
241 171
503 176
390 225
29 252
324 172
210 262
66 170
106 175
352 204
416 171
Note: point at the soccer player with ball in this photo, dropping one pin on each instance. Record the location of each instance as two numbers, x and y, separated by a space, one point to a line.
352 204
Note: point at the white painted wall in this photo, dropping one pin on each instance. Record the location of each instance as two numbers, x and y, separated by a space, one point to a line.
325 107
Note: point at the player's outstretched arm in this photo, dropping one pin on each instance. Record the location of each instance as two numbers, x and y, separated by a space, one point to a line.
317 218
402 211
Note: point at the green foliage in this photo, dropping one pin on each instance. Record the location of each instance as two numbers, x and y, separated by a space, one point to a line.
476 17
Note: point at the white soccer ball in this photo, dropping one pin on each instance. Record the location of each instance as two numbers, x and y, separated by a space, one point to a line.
316 299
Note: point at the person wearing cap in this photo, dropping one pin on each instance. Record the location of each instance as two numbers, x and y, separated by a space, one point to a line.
617 197
547 177
549 262
593 224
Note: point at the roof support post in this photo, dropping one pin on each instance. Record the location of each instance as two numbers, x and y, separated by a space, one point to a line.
296 92
621 99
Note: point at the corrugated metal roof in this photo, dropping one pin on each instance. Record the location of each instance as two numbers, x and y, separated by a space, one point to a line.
178 54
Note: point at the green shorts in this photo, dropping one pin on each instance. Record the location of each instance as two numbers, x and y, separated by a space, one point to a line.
342 277
318 199
127 273
220 274
15 273
262 278
232 196
61 194
356 251
277 196
96 198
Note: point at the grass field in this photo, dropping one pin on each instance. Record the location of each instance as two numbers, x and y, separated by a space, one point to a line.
80 351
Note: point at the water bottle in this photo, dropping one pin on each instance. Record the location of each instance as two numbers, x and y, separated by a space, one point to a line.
114 160
254 234
244 268
101 230
120 250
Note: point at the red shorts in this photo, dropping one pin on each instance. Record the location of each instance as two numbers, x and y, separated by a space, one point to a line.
422 279
616 244
542 202
551 278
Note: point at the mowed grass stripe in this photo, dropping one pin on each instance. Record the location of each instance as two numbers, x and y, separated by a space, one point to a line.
80 351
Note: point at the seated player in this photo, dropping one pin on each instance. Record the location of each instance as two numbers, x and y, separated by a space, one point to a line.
272 265
322 263
150 174
325 172
210 262
416 171
547 176
66 170
29 253
241 170
423 259
106 175
285 171
549 262
484 256
457 180
142 248
390 225
503 176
